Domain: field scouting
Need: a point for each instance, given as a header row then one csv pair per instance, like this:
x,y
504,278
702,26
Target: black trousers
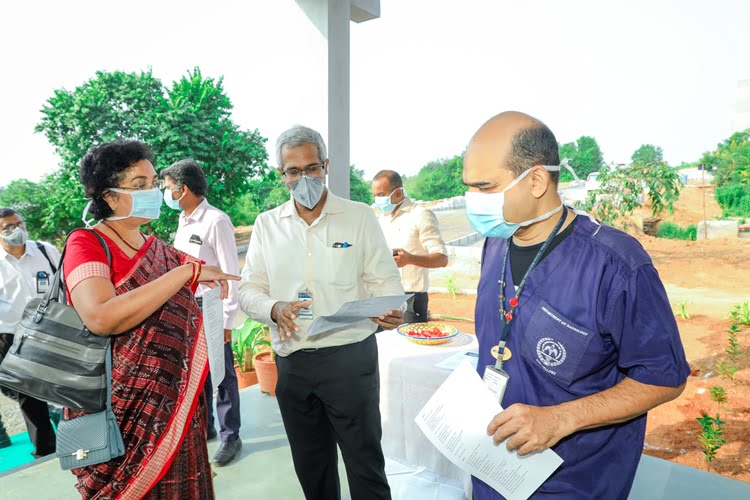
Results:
x,y
330,397
35,412
416,308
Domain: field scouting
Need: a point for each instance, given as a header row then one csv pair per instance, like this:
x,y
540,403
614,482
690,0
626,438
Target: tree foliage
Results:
x,y
647,154
622,189
585,157
732,176
359,189
438,179
190,119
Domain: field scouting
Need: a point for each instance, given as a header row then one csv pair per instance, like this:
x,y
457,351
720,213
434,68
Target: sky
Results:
x,y
424,76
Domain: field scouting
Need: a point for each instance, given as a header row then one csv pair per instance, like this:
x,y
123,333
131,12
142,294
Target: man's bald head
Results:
x,y
517,142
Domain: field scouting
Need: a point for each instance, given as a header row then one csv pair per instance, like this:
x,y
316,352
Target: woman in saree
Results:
x,y
145,302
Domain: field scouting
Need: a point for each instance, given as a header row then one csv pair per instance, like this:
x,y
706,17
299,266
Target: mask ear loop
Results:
x,y
564,163
83,216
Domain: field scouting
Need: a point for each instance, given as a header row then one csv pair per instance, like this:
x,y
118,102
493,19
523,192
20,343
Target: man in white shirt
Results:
x,y
207,233
26,269
306,258
413,234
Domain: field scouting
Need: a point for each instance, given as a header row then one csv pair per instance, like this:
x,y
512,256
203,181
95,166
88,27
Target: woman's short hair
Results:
x,y
103,167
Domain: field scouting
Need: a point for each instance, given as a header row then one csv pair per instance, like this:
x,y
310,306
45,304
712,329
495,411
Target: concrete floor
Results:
x,y
263,470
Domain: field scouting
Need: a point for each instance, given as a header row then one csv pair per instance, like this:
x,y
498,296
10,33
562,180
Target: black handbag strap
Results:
x,y
43,249
56,292
108,366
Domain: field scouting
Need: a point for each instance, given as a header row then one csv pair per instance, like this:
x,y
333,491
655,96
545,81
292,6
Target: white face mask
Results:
x,y
16,238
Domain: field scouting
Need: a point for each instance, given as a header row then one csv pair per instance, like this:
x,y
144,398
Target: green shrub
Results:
x,y
674,232
734,199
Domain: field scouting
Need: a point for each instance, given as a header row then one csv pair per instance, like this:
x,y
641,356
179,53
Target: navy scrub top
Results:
x,y
593,312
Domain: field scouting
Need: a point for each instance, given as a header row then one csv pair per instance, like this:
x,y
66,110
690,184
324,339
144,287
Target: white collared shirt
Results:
x,y
286,257
18,281
208,234
416,230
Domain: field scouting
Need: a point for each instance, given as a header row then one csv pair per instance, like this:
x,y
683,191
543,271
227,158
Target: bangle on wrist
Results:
x,y
192,275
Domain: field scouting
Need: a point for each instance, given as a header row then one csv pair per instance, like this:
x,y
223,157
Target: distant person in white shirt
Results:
x,y
413,234
306,258
26,269
207,233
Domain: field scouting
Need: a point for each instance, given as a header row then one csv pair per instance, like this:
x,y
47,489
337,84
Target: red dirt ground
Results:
x,y
713,275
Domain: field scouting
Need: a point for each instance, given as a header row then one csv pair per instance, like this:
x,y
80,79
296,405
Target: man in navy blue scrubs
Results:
x,y
590,342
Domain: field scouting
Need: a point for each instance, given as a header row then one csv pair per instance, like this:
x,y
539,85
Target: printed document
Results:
x,y
455,420
213,324
356,310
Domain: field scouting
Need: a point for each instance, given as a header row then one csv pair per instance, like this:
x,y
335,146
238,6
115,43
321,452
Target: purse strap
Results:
x,y
56,293
108,367
56,290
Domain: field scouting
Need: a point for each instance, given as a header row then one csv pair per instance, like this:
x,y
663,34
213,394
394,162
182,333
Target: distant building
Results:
x,y
741,115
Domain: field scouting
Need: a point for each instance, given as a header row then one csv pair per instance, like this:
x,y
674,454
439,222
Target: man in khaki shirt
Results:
x,y
414,236
306,258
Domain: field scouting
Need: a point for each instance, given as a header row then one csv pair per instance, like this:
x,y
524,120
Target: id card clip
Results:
x,y
496,380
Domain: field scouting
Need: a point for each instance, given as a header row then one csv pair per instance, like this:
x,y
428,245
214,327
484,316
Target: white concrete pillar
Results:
x,y
339,14
332,19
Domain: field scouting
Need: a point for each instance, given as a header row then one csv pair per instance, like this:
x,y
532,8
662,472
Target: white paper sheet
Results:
x,y
213,324
455,420
356,310
454,361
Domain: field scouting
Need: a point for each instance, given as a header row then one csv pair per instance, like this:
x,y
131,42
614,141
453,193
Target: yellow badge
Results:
x,y
506,354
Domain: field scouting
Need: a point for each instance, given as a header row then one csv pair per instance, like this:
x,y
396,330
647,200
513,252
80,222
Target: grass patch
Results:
x,y
674,232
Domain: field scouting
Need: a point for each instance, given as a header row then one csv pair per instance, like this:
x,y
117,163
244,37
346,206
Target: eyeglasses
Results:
x,y
296,173
146,185
11,227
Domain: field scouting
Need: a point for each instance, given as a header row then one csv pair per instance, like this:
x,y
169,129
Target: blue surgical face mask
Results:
x,y
485,211
308,191
146,203
384,202
171,202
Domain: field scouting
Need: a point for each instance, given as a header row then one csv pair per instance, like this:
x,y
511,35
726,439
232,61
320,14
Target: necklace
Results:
x,y
123,239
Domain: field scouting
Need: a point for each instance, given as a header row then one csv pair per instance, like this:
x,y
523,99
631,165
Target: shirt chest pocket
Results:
x,y
554,344
340,267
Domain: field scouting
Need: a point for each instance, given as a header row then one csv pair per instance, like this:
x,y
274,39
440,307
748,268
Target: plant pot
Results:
x,y
246,378
265,367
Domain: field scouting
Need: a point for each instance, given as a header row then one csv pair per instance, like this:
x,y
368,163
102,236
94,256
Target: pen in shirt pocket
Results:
x,y
342,245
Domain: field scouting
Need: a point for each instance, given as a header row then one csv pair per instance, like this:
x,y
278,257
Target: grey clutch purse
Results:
x,y
91,439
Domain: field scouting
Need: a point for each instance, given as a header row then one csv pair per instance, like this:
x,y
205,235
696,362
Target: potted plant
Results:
x,y
265,367
247,341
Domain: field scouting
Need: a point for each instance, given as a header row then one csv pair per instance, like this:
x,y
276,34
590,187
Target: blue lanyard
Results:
x,y
507,317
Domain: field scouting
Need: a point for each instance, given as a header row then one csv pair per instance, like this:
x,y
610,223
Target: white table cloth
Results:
x,y
408,378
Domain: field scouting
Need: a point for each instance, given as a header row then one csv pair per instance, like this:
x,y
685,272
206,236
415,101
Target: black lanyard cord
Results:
x,y
507,317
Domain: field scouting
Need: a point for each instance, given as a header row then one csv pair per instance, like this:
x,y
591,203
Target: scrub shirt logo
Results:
x,y
550,352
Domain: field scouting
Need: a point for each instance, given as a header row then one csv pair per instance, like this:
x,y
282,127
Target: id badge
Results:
x,y
305,312
42,282
496,381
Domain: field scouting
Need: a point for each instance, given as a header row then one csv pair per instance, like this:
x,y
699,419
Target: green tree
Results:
x,y
622,188
192,119
648,154
585,157
27,198
359,190
439,179
732,176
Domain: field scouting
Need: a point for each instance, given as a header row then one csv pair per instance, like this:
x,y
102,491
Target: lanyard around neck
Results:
x,y
507,317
